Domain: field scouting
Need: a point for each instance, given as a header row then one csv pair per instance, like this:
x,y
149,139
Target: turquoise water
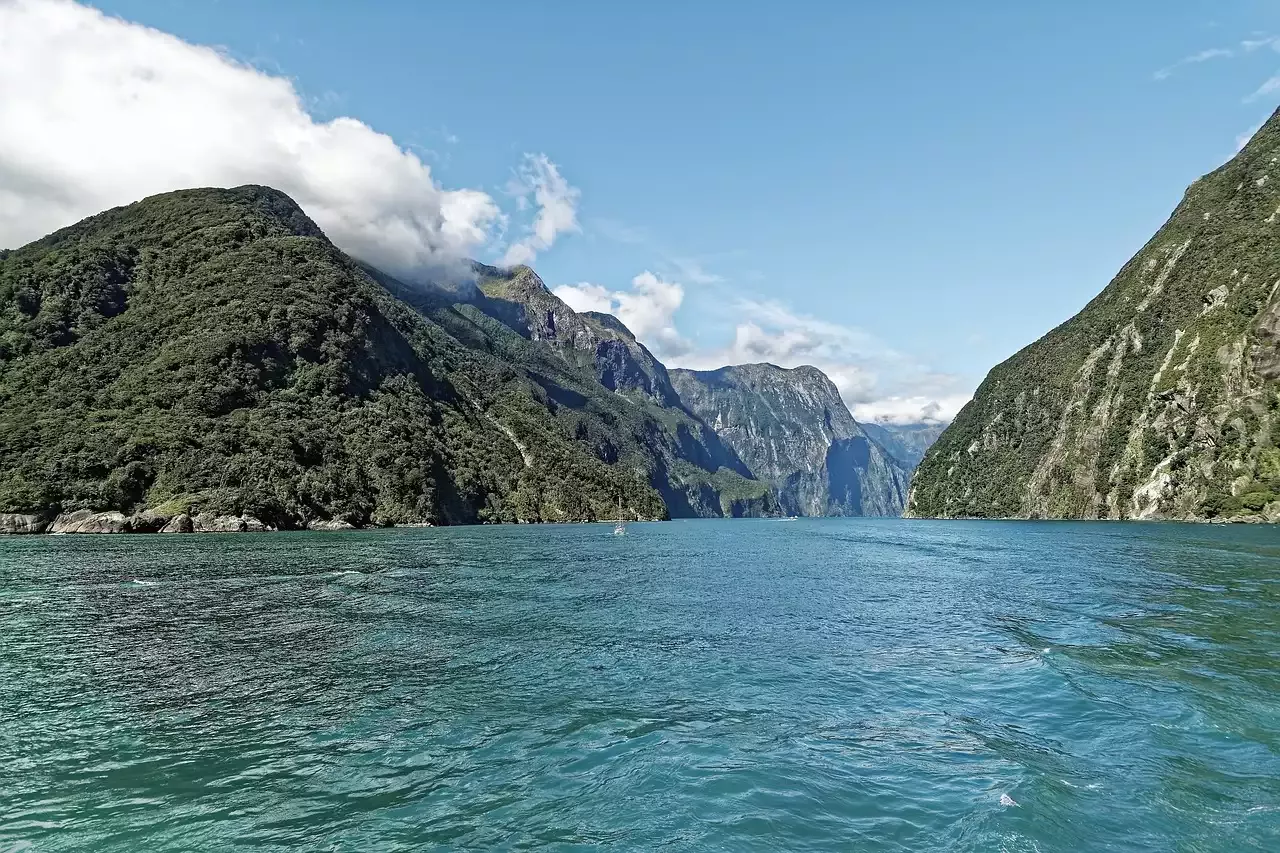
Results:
x,y
742,685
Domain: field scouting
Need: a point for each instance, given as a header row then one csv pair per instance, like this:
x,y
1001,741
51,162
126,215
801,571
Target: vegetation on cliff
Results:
x,y
1159,399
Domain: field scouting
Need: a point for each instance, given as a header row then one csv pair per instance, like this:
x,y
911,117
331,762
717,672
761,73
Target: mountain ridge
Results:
x,y
207,359
210,351
209,354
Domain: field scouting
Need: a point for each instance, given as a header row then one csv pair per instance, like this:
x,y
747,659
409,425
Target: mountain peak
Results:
x,y
609,322
263,211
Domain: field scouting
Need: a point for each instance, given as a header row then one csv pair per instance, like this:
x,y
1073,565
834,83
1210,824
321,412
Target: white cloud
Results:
x,y
1246,46
97,112
1243,139
691,270
1194,59
910,410
648,309
875,382
557,204
587,297
1250,45
1272,84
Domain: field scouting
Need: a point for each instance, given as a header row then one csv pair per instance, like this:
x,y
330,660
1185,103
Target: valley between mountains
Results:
x,y
207,360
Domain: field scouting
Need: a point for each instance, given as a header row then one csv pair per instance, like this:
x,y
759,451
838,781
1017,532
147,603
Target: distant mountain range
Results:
x,y
1161,398
208,360
792,430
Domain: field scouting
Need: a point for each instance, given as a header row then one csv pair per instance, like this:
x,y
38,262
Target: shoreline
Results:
x,y
88,522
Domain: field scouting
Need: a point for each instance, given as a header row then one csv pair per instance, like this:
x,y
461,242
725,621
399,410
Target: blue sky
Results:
x,y
906,192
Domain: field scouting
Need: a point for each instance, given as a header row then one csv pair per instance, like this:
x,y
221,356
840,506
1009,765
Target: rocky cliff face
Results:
x,y
791,429
905,442
520,299
1159,399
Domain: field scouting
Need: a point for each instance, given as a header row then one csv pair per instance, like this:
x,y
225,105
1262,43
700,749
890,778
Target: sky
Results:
x,y
902,194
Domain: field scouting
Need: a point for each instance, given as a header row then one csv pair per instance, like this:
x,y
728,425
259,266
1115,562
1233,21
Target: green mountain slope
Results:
x,y
791,429
1159,399
601,384
210,351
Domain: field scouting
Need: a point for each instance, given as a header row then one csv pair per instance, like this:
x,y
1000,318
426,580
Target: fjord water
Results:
x,y
713,685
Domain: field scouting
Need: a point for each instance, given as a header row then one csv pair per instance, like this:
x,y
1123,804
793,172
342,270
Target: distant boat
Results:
x,y
790,518
620,526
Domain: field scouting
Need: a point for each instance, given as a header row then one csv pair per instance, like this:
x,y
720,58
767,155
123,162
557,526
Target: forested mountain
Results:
x,y
210,354
1159,399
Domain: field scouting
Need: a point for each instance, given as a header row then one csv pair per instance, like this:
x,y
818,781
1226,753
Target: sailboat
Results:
x,y
620,526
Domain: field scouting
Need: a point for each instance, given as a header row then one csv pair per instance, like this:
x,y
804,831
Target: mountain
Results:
x,y
208,359
906,442
791,429
603,385
1159,399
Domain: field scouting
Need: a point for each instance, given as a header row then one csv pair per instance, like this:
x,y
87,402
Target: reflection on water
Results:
x,y
748,685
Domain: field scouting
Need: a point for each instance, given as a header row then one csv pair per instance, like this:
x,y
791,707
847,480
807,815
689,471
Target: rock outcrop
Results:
x,y
518,298
12,523
208,523
87,521
180,523
330,524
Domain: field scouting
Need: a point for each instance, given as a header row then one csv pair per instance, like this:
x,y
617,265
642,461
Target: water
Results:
x,y
744,685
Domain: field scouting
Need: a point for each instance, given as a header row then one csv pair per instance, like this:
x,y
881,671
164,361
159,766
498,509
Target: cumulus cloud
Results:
x,y
648,309
557,204
911,410
875,382
97,112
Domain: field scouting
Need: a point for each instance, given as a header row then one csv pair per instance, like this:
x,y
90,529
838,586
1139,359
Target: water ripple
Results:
x,y
826,684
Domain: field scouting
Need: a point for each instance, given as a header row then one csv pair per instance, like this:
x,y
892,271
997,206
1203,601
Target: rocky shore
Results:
x,y
87,521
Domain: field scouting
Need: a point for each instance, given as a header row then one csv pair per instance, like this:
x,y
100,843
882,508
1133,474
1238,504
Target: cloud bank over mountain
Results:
x,y
97,112
875,382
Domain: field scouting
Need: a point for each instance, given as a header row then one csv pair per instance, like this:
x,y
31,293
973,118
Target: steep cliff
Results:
x,y
1159,399
791,429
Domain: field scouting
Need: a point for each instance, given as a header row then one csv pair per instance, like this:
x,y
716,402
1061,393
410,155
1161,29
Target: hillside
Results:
x,y
209,353
792,430
603,386
1159,399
